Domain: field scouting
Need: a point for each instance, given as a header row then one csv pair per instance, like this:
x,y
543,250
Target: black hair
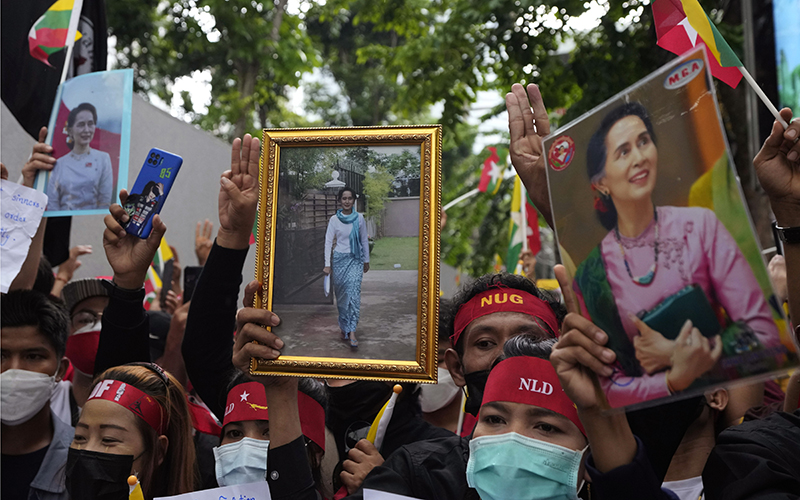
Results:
x,y
44,276
341,192
596,153
485,282
444,306
84,106
148,188
73,114
32,308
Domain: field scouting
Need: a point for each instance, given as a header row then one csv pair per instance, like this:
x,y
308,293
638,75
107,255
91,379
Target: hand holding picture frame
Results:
x,y
360,205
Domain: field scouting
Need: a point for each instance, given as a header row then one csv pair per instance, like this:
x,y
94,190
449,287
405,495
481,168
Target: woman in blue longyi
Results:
x,y
350,261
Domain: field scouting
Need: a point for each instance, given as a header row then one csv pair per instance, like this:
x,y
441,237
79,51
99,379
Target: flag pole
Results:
x,y
468,194
74,18
523,206
760,93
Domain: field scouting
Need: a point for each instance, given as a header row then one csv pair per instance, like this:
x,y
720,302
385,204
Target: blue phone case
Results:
x,y
150,190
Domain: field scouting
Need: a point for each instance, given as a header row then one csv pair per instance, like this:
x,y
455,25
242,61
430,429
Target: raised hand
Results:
x,y
41,159
128,255
253,340
203,241
528,123
580,354
693,357
238,194
777,165
653,350
67,268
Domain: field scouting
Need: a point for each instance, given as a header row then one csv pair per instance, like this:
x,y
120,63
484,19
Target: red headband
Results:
x,y
248,401
531,381
140,403
501,298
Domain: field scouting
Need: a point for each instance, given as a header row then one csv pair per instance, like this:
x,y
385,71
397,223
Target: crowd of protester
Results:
x,y
96,389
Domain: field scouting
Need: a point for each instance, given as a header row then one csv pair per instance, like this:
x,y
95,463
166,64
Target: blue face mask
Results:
x,y
241,462
514,466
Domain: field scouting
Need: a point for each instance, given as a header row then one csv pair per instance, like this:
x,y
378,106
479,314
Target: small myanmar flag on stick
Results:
x,y
682,22
491,174
48,34
516,234
377,431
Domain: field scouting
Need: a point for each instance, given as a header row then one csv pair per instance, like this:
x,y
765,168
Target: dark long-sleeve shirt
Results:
x,y
124,335
436,469
757,460
208,340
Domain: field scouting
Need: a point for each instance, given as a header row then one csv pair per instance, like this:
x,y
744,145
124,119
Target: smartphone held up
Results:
x,y
150,190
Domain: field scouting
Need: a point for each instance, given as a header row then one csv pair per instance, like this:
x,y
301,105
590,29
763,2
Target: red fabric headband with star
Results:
x,y
248,401
138,402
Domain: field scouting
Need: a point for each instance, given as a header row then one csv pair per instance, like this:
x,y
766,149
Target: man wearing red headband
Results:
x,y
483,316
529,443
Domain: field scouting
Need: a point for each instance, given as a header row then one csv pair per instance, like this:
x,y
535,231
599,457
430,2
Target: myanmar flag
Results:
x,y
151,284
49,33
492,173
163,254
679,24
514,232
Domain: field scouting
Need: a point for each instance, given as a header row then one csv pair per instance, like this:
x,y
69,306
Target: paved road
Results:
x,y
387,328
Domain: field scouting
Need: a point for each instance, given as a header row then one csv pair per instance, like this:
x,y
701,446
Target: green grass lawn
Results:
x,y
391,251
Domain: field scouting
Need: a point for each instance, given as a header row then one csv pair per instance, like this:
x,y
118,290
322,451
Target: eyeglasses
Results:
x,y
84,318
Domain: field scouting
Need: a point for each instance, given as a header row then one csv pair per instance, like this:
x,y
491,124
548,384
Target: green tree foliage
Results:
x,y
253,49
377,185
391,62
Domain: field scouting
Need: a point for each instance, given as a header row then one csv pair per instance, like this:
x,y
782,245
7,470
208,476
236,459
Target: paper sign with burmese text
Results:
x,y
22,210
251,491
657,236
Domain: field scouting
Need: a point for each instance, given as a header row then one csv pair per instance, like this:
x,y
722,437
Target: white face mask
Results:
x,y
22,394
241,462
436,397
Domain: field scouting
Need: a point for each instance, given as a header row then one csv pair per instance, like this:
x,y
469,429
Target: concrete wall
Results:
x,y
193,197
401,217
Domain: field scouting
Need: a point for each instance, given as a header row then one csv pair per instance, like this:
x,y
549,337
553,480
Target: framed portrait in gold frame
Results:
x,y
348,251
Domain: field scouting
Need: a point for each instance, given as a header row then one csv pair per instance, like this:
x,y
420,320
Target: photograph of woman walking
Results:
x,y
348,260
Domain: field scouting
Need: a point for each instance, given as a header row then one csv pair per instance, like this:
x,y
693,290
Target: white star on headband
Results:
x,y
244,396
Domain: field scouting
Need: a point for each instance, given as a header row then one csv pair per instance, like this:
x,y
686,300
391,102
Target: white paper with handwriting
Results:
x,y
251,491
382,495
22,210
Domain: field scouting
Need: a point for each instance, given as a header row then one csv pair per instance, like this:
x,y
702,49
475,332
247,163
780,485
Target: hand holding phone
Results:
x,y
150,191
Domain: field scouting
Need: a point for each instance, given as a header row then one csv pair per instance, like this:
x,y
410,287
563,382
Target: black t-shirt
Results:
x,y
18,472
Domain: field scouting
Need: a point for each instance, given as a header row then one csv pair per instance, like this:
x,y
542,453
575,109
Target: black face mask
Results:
x,y
93,475
476,383
361,400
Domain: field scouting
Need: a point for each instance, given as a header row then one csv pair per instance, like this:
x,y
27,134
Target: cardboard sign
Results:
x,y
89,129
647,205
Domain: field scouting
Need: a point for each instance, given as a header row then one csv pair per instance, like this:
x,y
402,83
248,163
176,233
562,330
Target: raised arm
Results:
x,y
208,342
618,465
288,471
125,334
528,123
40,160
777,165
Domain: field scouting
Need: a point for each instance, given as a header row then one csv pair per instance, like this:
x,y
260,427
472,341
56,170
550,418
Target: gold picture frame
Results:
x,y
278,222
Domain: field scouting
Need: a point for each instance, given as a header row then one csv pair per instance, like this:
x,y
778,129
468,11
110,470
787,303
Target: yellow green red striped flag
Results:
x,y
708,32
49,33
